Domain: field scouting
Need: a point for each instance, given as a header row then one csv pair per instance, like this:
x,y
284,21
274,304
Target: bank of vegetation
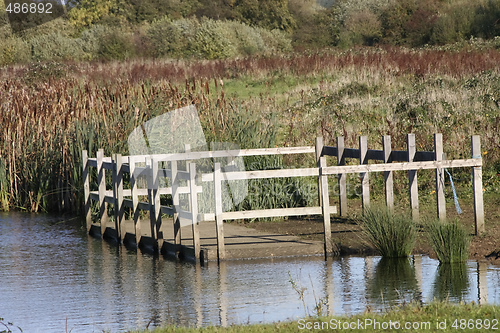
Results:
x,y
220,29
435,317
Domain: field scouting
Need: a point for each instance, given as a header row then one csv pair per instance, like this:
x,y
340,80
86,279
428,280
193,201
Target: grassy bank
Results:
x,y
49,112
435,317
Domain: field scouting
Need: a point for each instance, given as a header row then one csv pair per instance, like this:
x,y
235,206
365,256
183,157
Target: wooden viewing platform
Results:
x,y
206,237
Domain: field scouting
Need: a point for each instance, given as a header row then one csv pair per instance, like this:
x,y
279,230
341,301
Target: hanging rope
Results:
x,y
455,197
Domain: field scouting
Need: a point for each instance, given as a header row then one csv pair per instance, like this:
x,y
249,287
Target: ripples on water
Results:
x,y
54,277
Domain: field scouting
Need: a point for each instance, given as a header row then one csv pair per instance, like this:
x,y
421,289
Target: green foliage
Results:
x,y
88,12
269,14
13,50
454,26
55,46
212,39
172,38
116,45
393,235
486,20
450,241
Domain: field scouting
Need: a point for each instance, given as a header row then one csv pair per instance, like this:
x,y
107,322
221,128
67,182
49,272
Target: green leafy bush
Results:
x,y
214,40
172,38
13,50
55,46
116,45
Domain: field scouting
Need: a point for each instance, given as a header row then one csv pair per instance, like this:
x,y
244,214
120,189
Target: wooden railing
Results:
x,y
409,160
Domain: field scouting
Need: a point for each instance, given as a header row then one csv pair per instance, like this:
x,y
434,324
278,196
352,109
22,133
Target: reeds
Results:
x,y
450,241
50,112
393,235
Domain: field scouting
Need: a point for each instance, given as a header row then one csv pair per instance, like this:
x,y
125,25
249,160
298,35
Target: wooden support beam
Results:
x,y
412,177
135,200
118,196
155,205
342,178
388,176
326,210
101,181
176,203
194,209
86,190
319,152
477,185
364,176
440,197
219,221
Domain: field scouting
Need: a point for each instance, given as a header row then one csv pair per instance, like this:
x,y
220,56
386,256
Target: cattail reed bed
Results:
x,y
49,112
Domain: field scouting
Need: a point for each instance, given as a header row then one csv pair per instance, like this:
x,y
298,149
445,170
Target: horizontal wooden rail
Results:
x,y
378,155
276,212
335,170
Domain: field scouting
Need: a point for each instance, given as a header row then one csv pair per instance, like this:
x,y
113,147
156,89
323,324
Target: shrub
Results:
x,y
393,235
116,45
172,38
363,27
276,40
13,50
214,40
450,241
454,25
54,46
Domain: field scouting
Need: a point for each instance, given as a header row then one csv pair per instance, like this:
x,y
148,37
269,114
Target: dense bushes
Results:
x,y
412,22
183,38
121,29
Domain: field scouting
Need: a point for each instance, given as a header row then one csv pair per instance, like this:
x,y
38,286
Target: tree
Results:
x,y
84,13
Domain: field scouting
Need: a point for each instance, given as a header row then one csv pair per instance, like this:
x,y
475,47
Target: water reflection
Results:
x,y
52,272
452,282
394,279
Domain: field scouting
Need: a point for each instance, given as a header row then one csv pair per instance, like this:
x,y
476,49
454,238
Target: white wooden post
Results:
x,y
388,175
477,185
194,209
86,190
412,177
440,197
135,200
342,178
101,181
118,196
364,176
221,252
326,208
154,207
319,151
175,202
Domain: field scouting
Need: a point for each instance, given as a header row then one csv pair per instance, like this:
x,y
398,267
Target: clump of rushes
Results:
x,y
393,235
450,241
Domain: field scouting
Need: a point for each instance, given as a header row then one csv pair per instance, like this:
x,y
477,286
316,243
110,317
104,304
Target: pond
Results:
x,y
55,278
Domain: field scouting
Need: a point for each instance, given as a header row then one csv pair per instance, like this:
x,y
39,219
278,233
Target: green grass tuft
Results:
x,y
450,241
393,235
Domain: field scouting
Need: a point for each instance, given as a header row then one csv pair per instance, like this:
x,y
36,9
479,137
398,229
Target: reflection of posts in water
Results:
x,y
198,295
417,265
482,282
329,286
394,280
451,282
223,293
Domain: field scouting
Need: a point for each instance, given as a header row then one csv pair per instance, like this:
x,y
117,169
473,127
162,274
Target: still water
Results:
x,y
54,278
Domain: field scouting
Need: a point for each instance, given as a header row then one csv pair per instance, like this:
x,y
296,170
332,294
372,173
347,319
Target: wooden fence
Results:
x,y
409,160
